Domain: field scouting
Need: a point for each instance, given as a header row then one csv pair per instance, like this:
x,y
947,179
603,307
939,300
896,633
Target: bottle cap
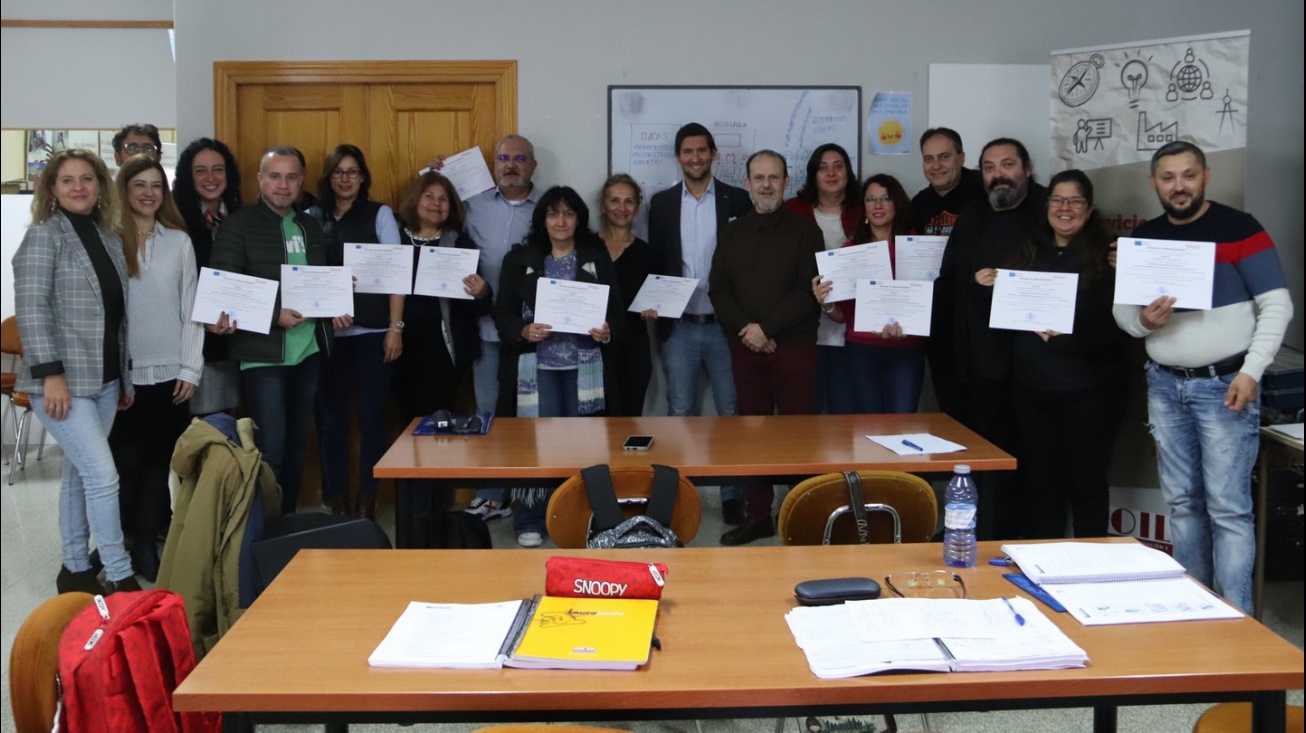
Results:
x,y
961,468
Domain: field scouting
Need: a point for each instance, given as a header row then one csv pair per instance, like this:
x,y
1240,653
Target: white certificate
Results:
x,y
905,302
918,258
1147,269
569,306
440,271
468,173
1025,300
317,291
381,268
248,301
845,266
665,294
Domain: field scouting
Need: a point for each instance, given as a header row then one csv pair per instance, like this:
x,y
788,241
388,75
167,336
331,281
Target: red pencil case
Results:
x,y
575,577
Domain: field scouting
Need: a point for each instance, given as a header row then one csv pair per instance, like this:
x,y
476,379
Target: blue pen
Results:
x,y
1020,620
910,444
1005,562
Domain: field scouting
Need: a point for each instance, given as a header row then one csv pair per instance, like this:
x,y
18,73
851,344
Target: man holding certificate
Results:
x,y
1203,371
279,370
760,285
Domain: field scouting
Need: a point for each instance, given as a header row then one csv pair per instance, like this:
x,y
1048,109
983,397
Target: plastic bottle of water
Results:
x,y
959,502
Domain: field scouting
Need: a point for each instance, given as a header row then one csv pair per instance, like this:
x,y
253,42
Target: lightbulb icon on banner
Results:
x,y
1133,77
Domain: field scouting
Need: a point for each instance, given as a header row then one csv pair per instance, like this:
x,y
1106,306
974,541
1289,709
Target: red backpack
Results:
x,y
119,661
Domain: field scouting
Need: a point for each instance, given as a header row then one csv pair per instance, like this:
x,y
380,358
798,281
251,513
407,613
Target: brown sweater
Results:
x,y
762,273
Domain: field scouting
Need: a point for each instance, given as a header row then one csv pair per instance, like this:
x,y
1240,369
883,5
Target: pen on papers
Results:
x,y
910,444
1020,620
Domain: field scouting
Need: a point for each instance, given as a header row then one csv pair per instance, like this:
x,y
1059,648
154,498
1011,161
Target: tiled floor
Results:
x,y
29,540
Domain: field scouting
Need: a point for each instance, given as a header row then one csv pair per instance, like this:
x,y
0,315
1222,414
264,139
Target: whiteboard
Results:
x,y
983,102
642,125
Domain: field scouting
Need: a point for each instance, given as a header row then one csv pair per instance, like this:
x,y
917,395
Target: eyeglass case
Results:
x,y
831,591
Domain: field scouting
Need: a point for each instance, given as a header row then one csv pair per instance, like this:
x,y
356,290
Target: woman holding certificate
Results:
x,y
830,197
633,259
1069,387
206,190
362,361
886,368
544,370
441,338
167,353
70,286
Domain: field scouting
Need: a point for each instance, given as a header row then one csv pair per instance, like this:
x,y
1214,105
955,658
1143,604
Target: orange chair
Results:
x,y
569,512
900,508
34,662
12,346
1236,717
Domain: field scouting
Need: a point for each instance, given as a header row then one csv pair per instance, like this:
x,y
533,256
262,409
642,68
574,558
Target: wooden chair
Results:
x,y
1236,717
12,346
569,513
900,508
34,662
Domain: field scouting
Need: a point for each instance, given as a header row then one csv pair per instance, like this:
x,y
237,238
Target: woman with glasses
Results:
x,y
206,190
366,346
886,368
70,285
166,348
1069,387
830,198
633,259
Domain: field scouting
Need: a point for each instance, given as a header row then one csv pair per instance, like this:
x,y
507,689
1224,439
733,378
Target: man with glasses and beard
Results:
x,y
761,289
1203,369
983,239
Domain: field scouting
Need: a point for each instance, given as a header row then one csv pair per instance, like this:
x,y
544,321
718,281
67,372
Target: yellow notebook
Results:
x,y
586,633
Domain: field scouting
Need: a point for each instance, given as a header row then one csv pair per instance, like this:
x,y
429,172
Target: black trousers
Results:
x,y
142,441
987,411
1064,450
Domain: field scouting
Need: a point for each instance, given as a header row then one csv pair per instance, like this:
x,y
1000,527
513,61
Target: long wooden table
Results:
x,y
300,653
709,450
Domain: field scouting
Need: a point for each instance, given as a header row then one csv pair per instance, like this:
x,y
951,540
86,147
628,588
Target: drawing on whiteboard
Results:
x,y
1133,77
1227,112
1152,137
1081,80
1190,78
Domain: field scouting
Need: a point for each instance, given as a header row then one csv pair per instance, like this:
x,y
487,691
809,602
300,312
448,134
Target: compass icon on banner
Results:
x,y
1080,81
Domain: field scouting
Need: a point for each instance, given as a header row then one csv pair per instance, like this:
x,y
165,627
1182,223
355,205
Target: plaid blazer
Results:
x,y
60,308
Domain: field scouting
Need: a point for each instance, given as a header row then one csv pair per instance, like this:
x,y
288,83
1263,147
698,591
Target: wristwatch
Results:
x,y
397,324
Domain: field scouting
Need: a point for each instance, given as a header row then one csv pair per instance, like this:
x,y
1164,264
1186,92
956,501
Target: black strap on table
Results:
x,y
603,497
857,503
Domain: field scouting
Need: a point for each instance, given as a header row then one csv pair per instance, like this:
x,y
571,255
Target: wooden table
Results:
x,y
300,653
709,450
1274,446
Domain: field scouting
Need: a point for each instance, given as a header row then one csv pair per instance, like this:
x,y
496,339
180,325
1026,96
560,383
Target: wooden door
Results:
x,y
400,113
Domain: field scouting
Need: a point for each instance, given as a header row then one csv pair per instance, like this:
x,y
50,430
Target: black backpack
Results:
x,y
465,531
611,529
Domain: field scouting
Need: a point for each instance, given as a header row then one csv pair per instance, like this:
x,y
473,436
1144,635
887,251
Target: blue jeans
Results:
x,y
1205,454
357,368
691,348
88,494
280,401
885,379
558,398
485,378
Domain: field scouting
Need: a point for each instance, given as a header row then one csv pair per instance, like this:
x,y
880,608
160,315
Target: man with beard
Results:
x,y
1202,373
983,239
761,287
684,222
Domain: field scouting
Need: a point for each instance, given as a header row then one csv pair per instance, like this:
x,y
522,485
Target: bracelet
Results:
x,y
827,308
392,329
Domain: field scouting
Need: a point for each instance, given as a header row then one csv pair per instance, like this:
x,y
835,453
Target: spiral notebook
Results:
x,y
1051,563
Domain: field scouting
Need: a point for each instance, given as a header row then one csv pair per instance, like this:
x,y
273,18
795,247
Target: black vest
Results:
x,y
357,226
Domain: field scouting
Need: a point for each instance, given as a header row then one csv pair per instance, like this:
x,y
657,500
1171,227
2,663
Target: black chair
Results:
x,y
288,534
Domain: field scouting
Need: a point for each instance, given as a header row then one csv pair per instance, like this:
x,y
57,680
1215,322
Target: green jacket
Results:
x,y
249,242
201,559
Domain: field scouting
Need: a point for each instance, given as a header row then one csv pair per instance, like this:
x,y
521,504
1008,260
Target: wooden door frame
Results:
x,y
229,76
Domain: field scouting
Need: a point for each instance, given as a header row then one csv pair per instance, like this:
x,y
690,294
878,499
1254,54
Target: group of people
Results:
x,y
103,303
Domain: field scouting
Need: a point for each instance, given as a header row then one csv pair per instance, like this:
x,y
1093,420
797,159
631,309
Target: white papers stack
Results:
x,y
931,635
449,635
916,444
1117,583
1292,430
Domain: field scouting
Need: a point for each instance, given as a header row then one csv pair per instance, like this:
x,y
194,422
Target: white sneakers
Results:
x,y
488,510
530,539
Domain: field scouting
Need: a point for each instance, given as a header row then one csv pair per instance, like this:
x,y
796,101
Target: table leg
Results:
x,y
236,723
1269,713
403,514
1104,719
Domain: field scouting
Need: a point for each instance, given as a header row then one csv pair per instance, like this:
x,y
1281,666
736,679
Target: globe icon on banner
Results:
x,y
1188,78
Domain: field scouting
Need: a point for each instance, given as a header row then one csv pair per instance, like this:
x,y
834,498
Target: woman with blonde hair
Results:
x,y
167,350
70,281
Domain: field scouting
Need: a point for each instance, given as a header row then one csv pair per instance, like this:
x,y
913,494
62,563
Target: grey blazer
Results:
x,y
60,309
